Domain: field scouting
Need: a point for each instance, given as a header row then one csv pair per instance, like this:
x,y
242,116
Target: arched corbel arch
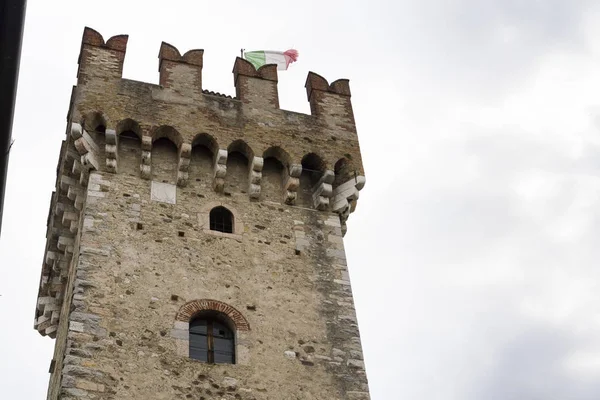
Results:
x,y
204,160
89,140
242,147
104,139
168,132
94,121
206,140
346,187
288,174
344,170
128,127
316,181
127,146
279,154
166,162
314,163
244,169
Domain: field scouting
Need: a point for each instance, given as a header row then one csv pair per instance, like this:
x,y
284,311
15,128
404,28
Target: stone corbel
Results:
x,y
73,187
72,154
184,164
146,165
89,161
85,145
66,244
75,194
49,312
61,269
56,286
220,171
112,144
66,181
255,177
76,131
345,197
291,182
322,191
63,226
77,169
70,218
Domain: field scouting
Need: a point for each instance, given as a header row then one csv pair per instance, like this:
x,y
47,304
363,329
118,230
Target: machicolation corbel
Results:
x,y
291,183
255,177
322,191
220,171
146,157
85,145
185,152
111,151
345,197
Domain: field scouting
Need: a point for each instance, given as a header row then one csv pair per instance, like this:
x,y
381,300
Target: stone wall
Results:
x,y
130,254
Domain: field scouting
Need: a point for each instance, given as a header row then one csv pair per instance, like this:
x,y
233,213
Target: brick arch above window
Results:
x,y
190,309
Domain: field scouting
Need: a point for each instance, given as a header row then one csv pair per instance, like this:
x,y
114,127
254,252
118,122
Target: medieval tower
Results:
x,y
194,245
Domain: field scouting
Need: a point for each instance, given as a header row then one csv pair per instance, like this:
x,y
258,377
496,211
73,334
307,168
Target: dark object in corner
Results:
x,y
12,17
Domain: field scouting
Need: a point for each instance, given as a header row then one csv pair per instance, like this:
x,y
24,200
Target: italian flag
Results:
x,y
283,59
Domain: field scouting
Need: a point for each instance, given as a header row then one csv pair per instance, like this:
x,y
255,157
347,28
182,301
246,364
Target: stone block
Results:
x,y
352,363
76,326
183,326
180,334
337,253
163,192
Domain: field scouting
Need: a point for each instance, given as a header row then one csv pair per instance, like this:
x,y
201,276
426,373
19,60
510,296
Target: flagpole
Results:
x,y
241,53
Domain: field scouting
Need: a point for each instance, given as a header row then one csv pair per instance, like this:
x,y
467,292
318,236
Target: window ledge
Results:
x,y
223,234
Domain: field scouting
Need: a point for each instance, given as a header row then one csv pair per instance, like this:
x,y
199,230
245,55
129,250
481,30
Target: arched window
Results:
x,y
221,219
211,340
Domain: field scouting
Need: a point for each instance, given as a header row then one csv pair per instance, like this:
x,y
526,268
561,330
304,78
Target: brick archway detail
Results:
x,y
191,308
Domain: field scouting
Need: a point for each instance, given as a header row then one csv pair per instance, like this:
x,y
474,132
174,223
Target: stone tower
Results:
x,y
194,244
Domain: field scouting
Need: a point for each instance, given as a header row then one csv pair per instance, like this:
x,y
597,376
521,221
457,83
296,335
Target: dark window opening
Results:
x,y
129,135
221,219
211,341
101,129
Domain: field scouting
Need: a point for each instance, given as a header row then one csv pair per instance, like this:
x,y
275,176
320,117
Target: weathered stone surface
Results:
x,y
132,256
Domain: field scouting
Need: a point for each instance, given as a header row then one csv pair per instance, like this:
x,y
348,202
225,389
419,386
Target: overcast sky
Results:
x,y
473,252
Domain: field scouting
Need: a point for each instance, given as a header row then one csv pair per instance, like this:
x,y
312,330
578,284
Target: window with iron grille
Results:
x,y
221,219
211,341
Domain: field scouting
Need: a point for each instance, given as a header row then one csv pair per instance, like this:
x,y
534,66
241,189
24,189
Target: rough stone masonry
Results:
x,y
131,256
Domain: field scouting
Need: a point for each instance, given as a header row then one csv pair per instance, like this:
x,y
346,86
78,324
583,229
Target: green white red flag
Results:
x,y
283,59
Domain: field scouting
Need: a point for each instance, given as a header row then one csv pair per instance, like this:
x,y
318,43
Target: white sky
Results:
x,y
473,250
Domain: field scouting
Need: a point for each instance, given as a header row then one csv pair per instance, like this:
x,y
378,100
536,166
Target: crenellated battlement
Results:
x,y
183,74
99,58
256,87
329,101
